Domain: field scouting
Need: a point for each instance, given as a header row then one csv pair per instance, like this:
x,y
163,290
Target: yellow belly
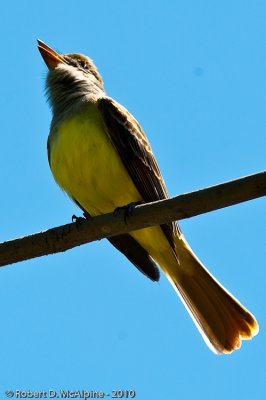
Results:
x,y
87,167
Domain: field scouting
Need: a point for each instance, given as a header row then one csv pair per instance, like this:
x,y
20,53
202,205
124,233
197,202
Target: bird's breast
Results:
x,y
86,165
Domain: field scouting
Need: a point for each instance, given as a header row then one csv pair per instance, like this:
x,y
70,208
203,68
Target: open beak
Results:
x,y
50,56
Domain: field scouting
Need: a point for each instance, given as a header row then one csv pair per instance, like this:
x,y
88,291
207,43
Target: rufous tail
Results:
x,y
221,319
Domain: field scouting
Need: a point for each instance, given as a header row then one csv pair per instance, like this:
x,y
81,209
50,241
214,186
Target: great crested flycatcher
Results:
x,y
101,158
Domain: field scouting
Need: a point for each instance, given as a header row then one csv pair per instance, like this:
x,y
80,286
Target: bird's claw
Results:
x,y
128,210
76,219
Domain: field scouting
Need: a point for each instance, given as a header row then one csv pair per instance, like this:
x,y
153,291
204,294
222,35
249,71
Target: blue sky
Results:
x,y
194,75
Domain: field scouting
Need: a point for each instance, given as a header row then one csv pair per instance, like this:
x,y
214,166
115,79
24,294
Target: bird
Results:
x,y
100,156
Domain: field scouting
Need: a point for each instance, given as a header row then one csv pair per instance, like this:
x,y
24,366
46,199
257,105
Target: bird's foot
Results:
x,y
76,219
128,210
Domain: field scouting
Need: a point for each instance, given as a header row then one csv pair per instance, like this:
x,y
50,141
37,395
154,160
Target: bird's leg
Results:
x,y
78,220
87,215
128,210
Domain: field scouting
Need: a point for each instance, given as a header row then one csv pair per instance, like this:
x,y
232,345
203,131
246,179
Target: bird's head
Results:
x,y
70,76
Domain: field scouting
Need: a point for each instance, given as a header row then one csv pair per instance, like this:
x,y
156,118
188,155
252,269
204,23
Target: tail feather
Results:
x,y
221,319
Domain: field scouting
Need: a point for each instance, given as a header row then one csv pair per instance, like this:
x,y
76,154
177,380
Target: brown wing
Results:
x,y
133,251
136,154
137,255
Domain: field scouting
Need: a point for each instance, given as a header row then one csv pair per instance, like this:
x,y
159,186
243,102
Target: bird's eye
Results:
x,y
84,64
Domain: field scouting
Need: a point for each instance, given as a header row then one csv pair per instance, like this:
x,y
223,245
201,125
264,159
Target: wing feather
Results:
x,y
137,156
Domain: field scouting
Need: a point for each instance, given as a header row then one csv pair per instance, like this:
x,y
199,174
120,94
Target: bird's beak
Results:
x,y
50,56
